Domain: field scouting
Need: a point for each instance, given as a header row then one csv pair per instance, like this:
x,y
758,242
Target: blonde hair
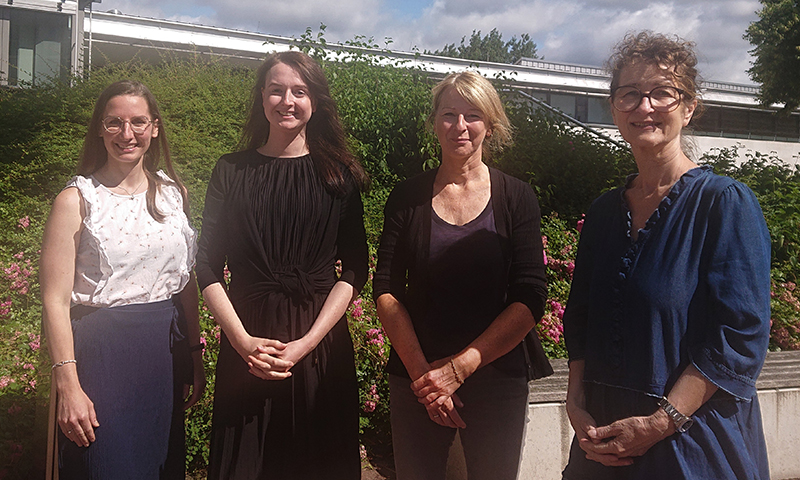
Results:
x,y
479,93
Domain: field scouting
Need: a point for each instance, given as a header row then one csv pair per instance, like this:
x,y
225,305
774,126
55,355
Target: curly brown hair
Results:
x,y
669,53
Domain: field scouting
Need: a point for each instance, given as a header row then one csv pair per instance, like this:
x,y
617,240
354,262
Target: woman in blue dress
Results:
x,y
667,323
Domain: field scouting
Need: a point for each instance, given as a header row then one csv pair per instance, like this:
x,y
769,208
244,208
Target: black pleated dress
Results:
x,y
281,231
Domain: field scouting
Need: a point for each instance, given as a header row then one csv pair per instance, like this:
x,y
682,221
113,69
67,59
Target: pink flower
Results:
x,y
24,222
579,226
357,311
5,380
5,308
544,257
204,343
19,255
369,406
375,336
362,450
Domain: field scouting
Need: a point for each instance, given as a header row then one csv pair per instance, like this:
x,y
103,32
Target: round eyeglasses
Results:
x,y
662,99
114,125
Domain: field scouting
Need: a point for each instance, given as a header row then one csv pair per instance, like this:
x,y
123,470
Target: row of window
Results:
x,y
39,48
716,120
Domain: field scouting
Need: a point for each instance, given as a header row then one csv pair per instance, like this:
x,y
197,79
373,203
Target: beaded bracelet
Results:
x,y
62,363
455,372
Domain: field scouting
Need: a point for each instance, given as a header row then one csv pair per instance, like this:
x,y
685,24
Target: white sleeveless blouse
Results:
x,y
125,256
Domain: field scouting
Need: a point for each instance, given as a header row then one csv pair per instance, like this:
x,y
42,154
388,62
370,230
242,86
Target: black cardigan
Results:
x,y
405,242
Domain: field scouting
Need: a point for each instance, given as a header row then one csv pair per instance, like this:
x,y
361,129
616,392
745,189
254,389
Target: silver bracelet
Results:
x,y
62,363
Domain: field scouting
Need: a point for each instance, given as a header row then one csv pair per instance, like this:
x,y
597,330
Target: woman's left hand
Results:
x,y
198,380
616,444
294,351
437,384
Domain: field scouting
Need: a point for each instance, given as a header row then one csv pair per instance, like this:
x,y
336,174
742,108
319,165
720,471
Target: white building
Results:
x,y
40,39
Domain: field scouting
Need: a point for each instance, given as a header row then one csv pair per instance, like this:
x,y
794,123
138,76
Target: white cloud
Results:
x,y
571,31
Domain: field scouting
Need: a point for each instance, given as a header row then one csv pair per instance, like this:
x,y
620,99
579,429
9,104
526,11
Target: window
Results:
x,y
39,47
563,102
599,111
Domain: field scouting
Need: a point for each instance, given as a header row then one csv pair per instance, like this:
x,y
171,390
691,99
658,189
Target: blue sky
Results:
x,y
410,8
570,31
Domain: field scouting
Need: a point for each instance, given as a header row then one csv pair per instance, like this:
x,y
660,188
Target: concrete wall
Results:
x,y
548,433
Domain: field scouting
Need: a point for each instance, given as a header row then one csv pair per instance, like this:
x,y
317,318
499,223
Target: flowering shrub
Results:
x,y
560,246
198,418
785,321
41,131
371,347
22,397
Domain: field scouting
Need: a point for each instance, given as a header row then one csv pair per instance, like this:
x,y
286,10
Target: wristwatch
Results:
x,y
681,421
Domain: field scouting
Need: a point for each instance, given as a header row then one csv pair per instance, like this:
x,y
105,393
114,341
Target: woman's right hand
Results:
x,y
261,356
444,404
582,421
76,415
444,411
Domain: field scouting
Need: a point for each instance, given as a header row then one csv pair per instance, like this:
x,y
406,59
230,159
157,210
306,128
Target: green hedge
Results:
x,y
383,108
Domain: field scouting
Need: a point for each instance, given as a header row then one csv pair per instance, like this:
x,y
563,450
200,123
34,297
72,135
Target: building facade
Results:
x,y
45,39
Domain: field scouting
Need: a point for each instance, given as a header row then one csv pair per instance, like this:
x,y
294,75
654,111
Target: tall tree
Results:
x,y
490,48
776,38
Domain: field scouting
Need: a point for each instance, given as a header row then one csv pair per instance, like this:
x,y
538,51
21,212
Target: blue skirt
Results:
x,y
128,366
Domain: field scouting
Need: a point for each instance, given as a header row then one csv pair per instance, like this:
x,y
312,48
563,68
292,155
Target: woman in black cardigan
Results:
x,y
459,285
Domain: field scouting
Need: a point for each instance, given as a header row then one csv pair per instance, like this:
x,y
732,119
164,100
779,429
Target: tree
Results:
x,y
776,37
490,48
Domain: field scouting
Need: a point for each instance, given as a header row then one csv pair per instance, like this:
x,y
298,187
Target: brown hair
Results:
x,y
94,154
478,92
669,53
324,132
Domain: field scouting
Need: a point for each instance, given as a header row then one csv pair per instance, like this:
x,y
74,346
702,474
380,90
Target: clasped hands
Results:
x,y
616,444
270,359
436,391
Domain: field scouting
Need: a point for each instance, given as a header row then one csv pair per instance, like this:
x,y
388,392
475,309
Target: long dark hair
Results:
x,y
324,132
94,154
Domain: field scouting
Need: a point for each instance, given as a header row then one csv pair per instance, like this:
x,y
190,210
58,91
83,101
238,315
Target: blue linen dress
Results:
x,y
693,288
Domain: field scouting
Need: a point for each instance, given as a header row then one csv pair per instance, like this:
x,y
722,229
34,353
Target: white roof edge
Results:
x,y
538,74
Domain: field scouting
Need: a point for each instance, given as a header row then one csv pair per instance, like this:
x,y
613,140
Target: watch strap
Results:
x,y
681,421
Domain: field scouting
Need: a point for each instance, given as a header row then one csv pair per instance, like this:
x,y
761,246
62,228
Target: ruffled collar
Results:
x,y
666,202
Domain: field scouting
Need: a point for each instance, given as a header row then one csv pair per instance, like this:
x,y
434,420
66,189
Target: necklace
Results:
x,y
131,194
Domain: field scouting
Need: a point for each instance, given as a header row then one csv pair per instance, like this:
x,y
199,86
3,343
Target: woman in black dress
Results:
x,y
280,214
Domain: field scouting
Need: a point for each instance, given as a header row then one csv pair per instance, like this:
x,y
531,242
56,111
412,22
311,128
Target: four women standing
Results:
x,y
460,284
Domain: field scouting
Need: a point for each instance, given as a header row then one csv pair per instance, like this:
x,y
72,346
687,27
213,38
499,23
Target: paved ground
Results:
x,y
380,466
